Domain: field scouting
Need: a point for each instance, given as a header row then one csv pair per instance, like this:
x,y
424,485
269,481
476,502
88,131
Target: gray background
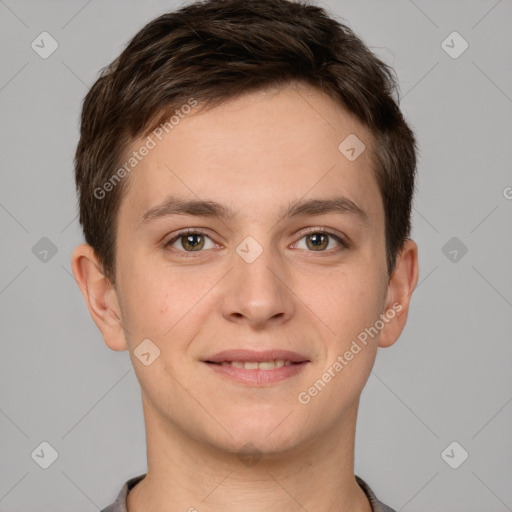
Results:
x,y
447,379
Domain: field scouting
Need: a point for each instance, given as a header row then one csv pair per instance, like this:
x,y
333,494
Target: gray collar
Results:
x,y
120,504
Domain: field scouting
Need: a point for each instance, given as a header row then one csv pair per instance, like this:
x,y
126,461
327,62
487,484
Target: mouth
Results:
x,y
257,368
256,365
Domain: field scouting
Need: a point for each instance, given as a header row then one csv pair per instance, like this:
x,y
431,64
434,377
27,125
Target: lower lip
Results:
x,y
258,377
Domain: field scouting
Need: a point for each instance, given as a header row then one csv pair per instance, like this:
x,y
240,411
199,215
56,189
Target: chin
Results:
x,y
261,436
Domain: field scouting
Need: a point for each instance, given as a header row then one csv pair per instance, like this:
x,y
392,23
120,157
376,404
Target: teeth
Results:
x,y
255,365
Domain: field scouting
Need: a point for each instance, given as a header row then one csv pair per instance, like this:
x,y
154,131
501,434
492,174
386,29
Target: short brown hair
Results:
x,y
217,50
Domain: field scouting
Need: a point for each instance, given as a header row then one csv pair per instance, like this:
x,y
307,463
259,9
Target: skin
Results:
x,y
254,154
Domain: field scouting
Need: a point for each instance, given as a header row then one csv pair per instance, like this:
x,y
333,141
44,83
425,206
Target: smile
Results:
x,y
257,365
257,373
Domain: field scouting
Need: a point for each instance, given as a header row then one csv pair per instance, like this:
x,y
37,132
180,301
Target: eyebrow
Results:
x,y
204,208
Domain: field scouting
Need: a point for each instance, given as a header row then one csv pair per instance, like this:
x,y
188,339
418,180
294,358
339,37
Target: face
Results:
x,y
272,270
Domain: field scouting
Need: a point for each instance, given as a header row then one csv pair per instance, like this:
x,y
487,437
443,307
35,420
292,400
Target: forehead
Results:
x,y
257,153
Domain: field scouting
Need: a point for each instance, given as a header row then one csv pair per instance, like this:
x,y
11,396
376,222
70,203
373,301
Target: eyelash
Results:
x,y
190,231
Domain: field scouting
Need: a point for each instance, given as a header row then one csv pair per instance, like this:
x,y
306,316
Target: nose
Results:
x,y
258,292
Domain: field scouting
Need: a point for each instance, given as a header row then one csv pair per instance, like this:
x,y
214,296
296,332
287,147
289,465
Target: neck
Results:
x,y
187,475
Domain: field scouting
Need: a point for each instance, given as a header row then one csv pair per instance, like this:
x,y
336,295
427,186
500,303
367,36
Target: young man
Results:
x,y
245,180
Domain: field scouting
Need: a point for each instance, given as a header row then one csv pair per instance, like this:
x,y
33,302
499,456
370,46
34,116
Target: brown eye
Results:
x,y
320,241
193,242
190,242
317,241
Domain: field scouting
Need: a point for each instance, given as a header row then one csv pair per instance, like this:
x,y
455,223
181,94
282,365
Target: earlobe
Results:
x,y
400,288
100,296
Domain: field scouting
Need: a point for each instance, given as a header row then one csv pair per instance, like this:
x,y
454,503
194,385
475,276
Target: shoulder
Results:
x,y
119,504
377,506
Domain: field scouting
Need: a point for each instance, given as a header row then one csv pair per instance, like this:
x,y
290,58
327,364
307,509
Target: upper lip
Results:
x,y
253,355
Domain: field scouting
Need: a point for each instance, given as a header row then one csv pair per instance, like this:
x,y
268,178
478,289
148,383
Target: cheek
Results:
x,y
159,302
146,302
348,301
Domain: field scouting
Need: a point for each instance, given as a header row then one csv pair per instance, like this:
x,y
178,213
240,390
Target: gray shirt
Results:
x,y
120,504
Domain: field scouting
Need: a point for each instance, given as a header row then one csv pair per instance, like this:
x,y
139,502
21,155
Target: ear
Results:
x,y
100,296
401,284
